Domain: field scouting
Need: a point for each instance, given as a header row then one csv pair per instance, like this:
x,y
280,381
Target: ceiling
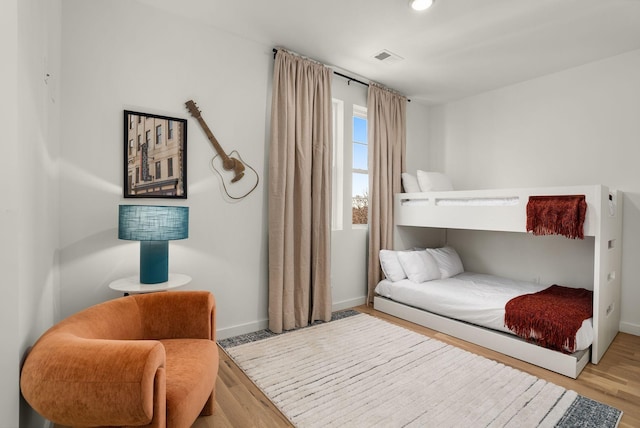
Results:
x,y
455,49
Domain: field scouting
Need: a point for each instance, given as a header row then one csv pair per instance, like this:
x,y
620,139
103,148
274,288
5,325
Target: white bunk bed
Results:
x,y
505,210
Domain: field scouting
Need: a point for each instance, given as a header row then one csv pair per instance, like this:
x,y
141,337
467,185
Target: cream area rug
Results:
x,y
361,371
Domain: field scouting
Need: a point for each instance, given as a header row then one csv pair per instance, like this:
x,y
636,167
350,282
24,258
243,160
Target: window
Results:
x,y
147,136
170,130
130,147
158,134
158,171
170,167
137,174
350,175
360,169
139,142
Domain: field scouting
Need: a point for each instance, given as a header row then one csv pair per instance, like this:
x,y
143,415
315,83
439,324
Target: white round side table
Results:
x,y
132,284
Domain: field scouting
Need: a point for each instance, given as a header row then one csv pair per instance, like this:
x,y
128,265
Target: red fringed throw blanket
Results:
x,y
554,315
557,215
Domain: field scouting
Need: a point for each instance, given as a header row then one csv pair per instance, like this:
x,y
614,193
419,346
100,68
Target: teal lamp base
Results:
x,y
154,262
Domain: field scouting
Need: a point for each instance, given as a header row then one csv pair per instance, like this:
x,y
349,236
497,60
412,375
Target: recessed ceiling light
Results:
x,y
421,4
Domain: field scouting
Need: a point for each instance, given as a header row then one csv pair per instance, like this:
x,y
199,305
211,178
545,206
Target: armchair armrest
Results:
x,y
78,381
177,314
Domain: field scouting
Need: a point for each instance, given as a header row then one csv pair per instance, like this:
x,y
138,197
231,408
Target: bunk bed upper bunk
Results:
x,y
506,210
499,209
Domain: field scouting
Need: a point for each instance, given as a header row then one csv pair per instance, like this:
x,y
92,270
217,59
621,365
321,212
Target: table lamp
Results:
x,y
154,226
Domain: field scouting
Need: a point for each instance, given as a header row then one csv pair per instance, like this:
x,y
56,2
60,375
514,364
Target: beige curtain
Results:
x,y
386,117
299,193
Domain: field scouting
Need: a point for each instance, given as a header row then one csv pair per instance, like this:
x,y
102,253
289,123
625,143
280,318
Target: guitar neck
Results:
x,y
212,139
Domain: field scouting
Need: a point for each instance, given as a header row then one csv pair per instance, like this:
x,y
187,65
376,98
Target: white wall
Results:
x,y
418,147
29,214
123,55
579,126
9,216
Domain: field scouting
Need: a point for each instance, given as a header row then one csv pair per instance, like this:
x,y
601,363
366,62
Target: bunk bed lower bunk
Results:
x,y
506,211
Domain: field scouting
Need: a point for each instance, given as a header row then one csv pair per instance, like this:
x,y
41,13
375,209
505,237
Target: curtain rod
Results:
x,y
349,78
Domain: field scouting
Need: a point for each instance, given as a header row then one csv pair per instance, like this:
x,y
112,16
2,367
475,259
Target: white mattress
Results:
x,y
471,297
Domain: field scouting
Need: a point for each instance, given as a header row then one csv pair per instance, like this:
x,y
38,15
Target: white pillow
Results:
x,y
448,261
433,181
419,266
410,183
391,265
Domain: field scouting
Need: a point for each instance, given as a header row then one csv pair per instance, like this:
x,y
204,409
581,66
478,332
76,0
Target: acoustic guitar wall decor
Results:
x,y
238,178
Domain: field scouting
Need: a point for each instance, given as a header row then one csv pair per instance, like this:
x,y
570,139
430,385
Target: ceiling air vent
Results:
x,y
387,57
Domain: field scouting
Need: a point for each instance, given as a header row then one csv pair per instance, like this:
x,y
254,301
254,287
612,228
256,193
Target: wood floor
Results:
x,y
614,381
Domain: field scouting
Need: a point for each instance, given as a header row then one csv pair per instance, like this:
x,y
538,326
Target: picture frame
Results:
x,y
155,156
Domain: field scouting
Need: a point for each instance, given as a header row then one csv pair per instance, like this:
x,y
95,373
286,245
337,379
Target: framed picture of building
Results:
x,y
155,156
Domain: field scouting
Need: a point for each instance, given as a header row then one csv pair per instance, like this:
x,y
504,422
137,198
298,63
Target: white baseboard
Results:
x,y
627,327
346,304
225,333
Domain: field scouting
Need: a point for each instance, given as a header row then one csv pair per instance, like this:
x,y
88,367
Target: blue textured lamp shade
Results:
x,y
154,226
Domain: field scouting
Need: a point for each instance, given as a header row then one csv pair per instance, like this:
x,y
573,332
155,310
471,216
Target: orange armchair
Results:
x,y
141,360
